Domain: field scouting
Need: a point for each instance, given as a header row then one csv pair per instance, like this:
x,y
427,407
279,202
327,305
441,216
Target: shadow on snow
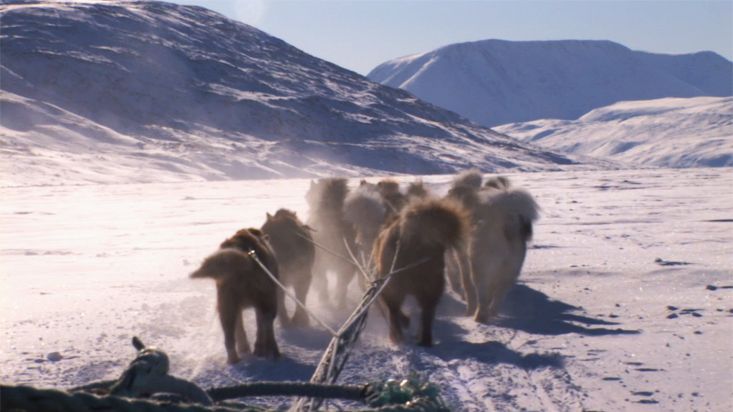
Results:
x,y
534,312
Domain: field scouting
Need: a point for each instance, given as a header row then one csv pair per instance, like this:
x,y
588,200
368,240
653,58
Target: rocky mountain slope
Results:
x,y
150,91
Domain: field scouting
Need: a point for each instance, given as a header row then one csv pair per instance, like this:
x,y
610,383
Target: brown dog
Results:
x,y
422,231
240,284
293,246
332,231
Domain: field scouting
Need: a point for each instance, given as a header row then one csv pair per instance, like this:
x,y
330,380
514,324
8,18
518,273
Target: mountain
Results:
x,y
671,132
150,91
493,82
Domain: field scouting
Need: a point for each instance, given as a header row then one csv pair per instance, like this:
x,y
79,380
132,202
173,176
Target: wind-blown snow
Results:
x,y
624,303
494,82
170,92
693,132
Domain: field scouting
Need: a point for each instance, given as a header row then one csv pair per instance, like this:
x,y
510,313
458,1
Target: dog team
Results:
x,y
475,236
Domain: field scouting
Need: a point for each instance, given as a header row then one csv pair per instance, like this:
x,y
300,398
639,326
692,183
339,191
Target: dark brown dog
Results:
x,y
332,231
422,231
293,245
240,284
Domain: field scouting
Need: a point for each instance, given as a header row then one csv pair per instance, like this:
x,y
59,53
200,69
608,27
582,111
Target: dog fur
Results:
x,y
465,191
241,284
326,199
365,209
498,246
471,178
422,230
416,191
292,243
498,182
393,198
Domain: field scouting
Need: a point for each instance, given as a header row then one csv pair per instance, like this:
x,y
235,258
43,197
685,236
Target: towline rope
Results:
x,y
274,278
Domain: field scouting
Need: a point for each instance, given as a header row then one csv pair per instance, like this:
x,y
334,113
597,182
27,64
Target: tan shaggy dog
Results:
x,y
293,246
423,230
393,198
240,284
498,245
464,190
333,232
365,209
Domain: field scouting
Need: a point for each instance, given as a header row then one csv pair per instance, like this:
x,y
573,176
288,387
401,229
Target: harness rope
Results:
x,y
274,278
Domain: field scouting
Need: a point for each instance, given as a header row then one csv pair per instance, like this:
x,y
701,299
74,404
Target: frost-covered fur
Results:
x,y
241,284
331,229
292,243
498,246
422,231
365,209
471,178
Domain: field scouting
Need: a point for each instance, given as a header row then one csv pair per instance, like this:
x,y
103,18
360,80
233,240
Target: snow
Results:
x,y
176,93
671,132
493,82
624,302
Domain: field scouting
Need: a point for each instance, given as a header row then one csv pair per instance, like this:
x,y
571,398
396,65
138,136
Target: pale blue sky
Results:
x,y
359,35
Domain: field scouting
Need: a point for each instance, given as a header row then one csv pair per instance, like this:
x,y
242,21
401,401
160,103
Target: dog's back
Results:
x,y
290,239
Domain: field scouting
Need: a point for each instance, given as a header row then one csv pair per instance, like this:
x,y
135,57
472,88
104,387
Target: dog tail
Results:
x,y
471,178
364,207
435,221
224,264
498,182
516,208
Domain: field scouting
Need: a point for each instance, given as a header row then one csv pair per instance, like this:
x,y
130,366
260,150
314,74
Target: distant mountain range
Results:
x,y
150,91
493,82
671,132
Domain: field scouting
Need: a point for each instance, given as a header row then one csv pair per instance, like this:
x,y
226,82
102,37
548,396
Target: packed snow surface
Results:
x,y
625,302
671,132
494,82
150,91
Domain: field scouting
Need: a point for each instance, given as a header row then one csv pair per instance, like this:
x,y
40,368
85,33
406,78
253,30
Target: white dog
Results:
x,y
503,219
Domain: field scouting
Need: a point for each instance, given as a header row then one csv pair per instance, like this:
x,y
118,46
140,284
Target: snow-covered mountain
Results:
x,y
671,132
494,82
150,91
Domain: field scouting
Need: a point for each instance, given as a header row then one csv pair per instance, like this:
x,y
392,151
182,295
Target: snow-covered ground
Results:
x,y
625,302
671,132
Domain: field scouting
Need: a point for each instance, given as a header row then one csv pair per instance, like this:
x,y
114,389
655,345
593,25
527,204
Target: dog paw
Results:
x,y
427,343
300,321
263,351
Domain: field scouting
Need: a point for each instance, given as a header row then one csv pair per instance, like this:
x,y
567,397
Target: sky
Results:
x,y
359,35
